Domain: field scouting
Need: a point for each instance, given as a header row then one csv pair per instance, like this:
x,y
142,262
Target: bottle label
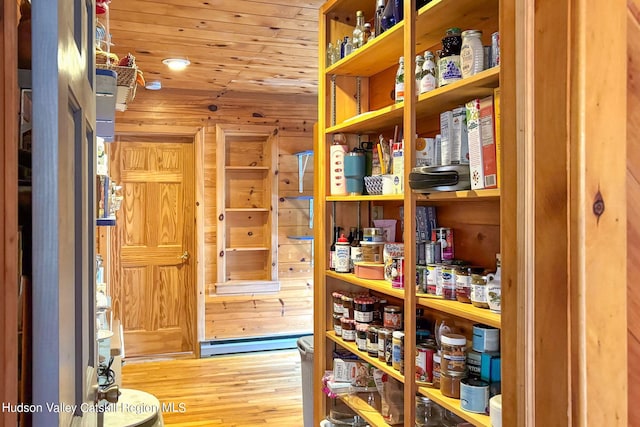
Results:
x,y
449,70
342,258
399,91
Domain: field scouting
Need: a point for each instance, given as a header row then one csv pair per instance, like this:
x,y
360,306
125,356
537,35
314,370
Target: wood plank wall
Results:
x,y
633,207
290,310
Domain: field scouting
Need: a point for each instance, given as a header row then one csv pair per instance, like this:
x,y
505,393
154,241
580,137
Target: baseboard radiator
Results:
x,y
244,345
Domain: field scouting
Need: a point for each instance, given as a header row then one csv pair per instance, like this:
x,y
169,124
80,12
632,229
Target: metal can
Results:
x,y
432,279
397,273
424,363
397,351
474,395
495,49
421,257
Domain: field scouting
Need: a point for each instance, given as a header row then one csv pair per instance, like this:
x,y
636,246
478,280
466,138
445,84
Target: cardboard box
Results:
x,y
487,137
476,168
496,118
460,142
446,139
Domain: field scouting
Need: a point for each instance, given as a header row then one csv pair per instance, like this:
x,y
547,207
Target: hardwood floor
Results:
x,y
253,389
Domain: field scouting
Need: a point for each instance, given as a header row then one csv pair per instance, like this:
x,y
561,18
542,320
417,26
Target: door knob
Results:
x,y
184,256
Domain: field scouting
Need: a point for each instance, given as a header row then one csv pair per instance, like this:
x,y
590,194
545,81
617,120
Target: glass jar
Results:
x,y
348,329
463,284
454,353
397,351
337,324
372,340
347,306
450,383
479,291
432,278
448,278
428,413
384,341
471,53
337,302
361,336
363,309
437,359
392,318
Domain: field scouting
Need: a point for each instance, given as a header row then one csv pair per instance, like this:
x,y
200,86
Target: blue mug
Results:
x,y
354,169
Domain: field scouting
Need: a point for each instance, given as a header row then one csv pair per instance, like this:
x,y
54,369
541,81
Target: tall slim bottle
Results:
x,y
358,32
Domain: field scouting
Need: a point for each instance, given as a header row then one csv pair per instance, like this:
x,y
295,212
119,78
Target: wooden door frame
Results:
x,y
568,119
198,135
9,210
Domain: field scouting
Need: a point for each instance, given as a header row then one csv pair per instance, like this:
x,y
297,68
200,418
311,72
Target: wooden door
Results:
x,y
154,279
63,160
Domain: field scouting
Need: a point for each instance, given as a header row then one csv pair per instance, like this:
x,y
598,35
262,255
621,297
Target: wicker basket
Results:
x,y
126,81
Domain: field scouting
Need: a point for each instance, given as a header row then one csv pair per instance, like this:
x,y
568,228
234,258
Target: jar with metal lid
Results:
x,y
454,352
372,340
361,336
347,306
397,351
337,324
437,360
479,291
450,383
463,284
428,413
363,309
337,302
348,329
392,317
378,308
471,53
448,278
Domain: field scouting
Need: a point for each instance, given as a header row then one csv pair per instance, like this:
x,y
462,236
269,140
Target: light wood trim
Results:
x,y
198,147
9,213
598,223
453,405
221,191
148,129
513,21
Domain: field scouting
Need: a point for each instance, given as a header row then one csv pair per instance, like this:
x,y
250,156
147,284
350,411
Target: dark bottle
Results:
x,y
377,22
332,249
451,43
352,234
356,249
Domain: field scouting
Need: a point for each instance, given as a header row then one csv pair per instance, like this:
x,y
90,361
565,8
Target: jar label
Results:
x,y
363,316
478,293
348,334
361,343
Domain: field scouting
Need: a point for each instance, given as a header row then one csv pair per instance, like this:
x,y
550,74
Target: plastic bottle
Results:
x,y
343,255
400,80
428,80
418,72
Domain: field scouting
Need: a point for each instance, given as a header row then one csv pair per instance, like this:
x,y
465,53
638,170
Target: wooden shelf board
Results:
x,y
351,346
246,168
455,94
247,249
467,195
463,310
439,15
362,408
105,222
299,197
479,420
372,121
365,198
376,56
300,237
247,210
381,286
247,287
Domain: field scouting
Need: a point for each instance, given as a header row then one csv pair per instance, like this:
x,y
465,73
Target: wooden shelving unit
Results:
x,y
371,70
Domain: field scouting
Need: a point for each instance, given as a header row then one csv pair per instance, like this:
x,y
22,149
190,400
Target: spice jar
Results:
x,y
454,356
450,383
397,351
348,329
361,336
436,370
372,340
392,317
363,309
337,324
463,284
479,290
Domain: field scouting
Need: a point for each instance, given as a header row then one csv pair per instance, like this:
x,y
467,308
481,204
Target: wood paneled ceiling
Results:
x,y
234,46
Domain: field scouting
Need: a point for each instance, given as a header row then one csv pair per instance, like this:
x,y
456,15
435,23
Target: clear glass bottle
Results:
x,y
330,54
399,91
348,46
418,72
339,51
428,80
358,31
367,33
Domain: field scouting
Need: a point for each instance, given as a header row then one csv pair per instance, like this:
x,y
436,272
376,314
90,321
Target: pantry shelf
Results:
x,y
467,195
371,122
351,346
362,408
381,286
365,198
105,222
459,309
478,420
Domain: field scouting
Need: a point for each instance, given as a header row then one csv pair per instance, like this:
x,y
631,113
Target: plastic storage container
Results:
x,y
305,347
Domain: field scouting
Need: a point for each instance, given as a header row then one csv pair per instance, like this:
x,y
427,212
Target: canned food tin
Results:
x,y
474,395
397,351
397,273
421,278
485,338
424,363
